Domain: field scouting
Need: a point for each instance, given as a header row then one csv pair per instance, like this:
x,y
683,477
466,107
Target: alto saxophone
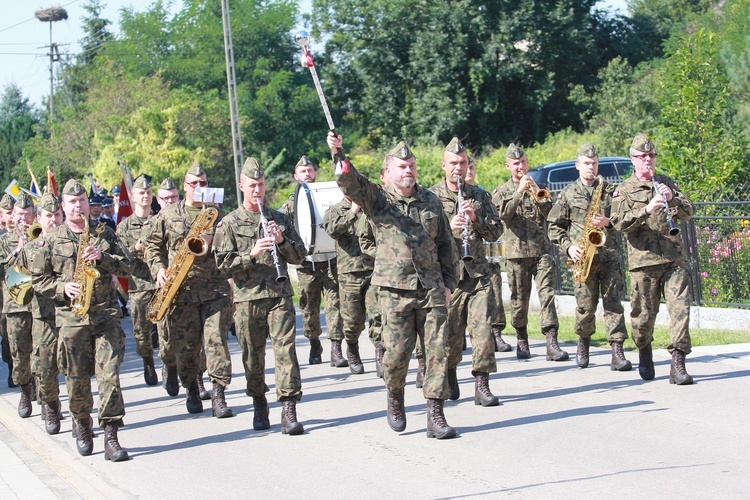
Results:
x,y
592,237
194,245
85,273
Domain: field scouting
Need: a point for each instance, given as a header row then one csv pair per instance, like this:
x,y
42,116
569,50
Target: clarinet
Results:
x,y
674,229
280,275
466,250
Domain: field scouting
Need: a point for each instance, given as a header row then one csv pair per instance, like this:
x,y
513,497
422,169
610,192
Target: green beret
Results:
x,y
303,162
196,169
514,152
401,151
167,184
73,188
251,169
642,143
588,150
23,201
49,203
143,182
455,146
7,202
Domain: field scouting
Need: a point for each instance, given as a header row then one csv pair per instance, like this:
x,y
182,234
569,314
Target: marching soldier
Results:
x,y
570,221
92,343
6,212
528,253
414,268
167,193
643,207
254,244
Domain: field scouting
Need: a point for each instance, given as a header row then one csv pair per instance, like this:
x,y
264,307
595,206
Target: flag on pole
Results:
x,y
13,189
33,186
124,211
51,183
94,185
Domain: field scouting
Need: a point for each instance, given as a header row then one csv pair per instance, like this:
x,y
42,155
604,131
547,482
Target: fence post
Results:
x,y
691,242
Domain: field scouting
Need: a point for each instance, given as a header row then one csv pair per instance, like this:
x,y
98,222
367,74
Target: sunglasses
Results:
x,y
195,184
644,156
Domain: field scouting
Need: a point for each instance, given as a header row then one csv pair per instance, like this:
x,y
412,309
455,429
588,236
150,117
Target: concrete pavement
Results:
x,y
560,432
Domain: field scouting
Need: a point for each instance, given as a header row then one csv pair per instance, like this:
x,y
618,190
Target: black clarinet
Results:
x,y
466,250
674,229
280,274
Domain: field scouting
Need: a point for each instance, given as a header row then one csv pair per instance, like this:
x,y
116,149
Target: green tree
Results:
x,y
18,119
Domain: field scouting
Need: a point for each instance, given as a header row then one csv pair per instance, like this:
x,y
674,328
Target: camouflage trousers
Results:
x,y
93,350
142,327
520,274
409,315
470,308
44,364
21,345
646,287
257,320
5,343
357,302
198,327
312,283
497,309
605,278
166,352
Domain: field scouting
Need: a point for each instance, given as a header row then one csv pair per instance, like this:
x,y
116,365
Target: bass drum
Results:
x,y
311,201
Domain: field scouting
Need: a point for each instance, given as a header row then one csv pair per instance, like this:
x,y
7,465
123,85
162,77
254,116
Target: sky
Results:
x,y
23,56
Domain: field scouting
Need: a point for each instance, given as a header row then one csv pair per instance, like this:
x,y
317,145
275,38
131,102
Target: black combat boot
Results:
x,y
437,427
260,414
171,383
619,363
84,434
204,394
316,352
219,404
193,400
582,353
522,345
453,384
420,372
554,353
24,404
149,371
646,363
395,410
500,344
289,424
337,357
677,373
355,362
482,394
379,352
112,449
52,417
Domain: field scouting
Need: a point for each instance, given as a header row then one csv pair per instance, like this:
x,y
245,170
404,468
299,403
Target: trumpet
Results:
x,y
280,274
465,249
539,195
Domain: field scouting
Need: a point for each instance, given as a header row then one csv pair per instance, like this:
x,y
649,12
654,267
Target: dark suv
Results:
x,y
556,176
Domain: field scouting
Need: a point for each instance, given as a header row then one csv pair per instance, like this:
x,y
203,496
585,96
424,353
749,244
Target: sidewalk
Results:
x,y
560,432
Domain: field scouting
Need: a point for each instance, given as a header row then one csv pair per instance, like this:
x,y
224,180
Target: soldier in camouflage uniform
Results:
x,y
263,295
93,343
656,259
202,308
528,253
6,212
18,317
568,222
472,221
44,332
317,274
414,268
132,231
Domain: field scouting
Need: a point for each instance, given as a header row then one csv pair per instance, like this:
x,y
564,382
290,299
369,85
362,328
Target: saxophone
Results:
x,y
592,237
85,273
193,245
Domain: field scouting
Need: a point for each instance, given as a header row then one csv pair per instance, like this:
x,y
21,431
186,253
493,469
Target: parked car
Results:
x,y
556,176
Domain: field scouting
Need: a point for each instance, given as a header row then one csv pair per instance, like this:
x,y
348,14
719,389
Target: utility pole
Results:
x,y
234,112
51,15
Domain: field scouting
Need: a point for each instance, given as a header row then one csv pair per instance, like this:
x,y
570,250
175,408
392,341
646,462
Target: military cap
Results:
x,y
102,192
73,188
142,182
471,160
455,146
642,143
23,201
115,190
196,169
514,152
49,203
588,150
107,202
304,161
251,169
167,184
7,202
95,200
401,151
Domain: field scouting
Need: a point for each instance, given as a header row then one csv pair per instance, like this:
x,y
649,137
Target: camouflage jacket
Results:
x,y
288,207
42,307
525,222
568,218
486,227
204,281
346,228
649,242
255,278
131,230
55,265
8,244
414,243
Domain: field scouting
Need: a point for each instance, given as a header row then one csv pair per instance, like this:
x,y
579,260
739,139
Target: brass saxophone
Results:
x,y
592,237
193,245
85,273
